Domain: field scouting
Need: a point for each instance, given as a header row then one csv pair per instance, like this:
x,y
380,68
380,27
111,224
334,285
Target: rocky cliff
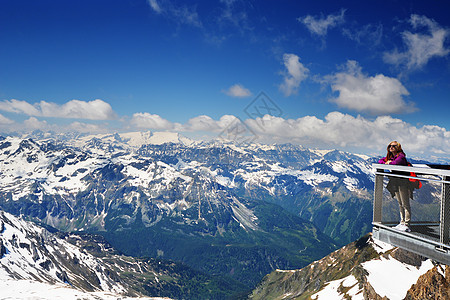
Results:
x,y
365,269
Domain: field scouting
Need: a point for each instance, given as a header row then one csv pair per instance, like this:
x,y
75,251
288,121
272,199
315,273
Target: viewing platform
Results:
x,y
430,211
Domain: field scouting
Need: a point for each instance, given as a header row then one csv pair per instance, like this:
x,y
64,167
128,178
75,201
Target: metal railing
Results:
x,y
435,176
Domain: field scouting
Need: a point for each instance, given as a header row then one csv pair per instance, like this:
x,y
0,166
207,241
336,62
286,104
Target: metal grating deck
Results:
x,y
423,240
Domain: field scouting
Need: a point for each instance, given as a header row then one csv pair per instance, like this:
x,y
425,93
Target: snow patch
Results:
x,y
27,289
379,246
392,278
331,290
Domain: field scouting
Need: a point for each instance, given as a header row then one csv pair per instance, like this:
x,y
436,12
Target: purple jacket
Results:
x,y
400,159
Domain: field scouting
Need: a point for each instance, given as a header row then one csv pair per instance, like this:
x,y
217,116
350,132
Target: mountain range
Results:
x,y
238,211
38,263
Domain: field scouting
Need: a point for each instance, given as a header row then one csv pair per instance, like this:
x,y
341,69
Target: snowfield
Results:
x,y
27,289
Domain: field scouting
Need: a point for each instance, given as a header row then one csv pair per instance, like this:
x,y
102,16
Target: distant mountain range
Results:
x,y
222,208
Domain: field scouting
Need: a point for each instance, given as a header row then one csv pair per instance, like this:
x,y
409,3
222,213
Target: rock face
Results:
x,y
432,285
297,283
365,269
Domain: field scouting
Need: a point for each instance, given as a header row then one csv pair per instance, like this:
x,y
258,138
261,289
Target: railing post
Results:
x,y
378,198
445,211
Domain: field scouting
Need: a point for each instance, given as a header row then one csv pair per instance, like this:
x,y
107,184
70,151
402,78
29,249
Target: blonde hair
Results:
x,y
389,155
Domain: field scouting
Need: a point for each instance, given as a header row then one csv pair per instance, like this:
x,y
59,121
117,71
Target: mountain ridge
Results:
x,y
364,269
86,265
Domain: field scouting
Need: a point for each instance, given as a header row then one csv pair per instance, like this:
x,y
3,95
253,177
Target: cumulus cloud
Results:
x,y
19,107
335,130
238,91
33,123
295,73
201,123
320,25
206,123
420,46
346,131
150,121
74,109
377,94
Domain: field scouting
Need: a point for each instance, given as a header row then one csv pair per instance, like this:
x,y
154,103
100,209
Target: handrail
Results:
x,y
389,174
417,170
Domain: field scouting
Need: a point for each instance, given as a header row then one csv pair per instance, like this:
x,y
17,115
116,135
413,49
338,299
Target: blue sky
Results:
x,y
352,75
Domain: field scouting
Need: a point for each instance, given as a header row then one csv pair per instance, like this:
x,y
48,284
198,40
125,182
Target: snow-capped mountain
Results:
x,y
128,140
132,140
212,190
32,258
365,269
34,171
38,264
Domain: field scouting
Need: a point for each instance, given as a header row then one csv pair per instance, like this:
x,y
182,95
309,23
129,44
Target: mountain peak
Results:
x,y
134,140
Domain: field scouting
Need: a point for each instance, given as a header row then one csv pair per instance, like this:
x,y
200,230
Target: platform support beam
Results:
x,y
378,198
445,211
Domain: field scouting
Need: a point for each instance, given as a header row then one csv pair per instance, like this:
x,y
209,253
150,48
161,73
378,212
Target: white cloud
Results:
x,y
420,47
346,131
202,123
19,107
74,109
155,6
206,123
238,91
335,130
150,121
295,73
33,123
377,95
320,26
86,128
5,121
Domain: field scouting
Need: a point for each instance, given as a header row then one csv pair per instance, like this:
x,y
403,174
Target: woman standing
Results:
x,y
397,186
